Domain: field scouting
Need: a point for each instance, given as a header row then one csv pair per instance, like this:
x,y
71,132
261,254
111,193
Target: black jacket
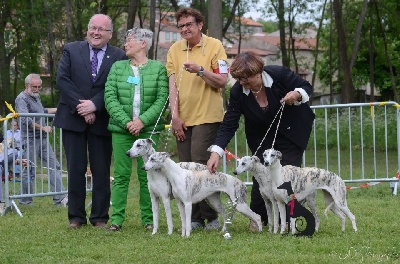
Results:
x,y
74,81
296,122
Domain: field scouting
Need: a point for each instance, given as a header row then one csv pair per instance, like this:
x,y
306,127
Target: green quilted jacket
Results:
x,y
118,95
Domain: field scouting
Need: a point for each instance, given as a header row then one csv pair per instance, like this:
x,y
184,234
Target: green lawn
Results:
x,y
41,236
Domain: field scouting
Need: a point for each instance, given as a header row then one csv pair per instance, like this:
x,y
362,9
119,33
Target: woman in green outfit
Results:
x,y
135,95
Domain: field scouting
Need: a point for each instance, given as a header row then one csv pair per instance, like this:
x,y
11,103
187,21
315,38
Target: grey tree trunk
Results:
x,y
357,34
152,26
282,35
215,19
133,5
348,88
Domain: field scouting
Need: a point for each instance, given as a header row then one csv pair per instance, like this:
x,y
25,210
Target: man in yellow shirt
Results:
x,y
198,72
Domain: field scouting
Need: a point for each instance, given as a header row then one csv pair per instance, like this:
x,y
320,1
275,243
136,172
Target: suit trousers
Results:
x,y
79,146
194,149
122,176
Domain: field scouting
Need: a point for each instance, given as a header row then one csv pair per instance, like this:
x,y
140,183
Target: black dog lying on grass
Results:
x,y
295,210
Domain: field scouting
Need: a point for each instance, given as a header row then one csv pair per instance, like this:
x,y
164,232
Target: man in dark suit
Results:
x,y
81,78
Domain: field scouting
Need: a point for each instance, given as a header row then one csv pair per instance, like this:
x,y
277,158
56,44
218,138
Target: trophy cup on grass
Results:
x,y
229,208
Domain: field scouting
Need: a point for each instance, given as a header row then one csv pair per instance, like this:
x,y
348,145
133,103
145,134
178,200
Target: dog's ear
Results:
x,y
278,154
164,155
150,141
255,159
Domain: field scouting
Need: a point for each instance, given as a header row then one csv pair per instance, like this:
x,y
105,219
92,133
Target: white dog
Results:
x,y
193,186
263,177
159,186
311,179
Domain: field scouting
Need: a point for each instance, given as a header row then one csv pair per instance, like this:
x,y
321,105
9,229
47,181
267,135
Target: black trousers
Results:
x,y
79,148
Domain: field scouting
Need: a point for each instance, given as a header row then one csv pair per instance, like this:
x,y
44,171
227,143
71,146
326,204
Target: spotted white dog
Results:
x,y
262,175
190,187
158,184
311,179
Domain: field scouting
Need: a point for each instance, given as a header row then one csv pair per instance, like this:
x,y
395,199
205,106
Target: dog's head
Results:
x,y
246,163
271,156
141,147
155,161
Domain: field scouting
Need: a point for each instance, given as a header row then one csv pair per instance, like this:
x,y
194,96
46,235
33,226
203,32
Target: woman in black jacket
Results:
x,y
258,95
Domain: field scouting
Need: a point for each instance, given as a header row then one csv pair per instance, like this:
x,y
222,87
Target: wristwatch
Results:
x,y
300,97
201,71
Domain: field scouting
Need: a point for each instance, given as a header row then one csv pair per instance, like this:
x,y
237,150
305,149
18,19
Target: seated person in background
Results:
x,y
11,155
15,133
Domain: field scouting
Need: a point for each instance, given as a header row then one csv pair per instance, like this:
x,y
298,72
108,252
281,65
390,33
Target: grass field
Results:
x,y
41,236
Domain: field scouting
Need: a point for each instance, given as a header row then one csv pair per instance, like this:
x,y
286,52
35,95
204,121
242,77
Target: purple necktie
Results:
x,y
94,64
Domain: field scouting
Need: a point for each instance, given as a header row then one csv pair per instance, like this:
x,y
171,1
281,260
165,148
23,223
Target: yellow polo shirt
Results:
x,y
198,102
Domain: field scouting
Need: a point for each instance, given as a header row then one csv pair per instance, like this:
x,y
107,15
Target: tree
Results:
x,y
4,58
280,8
348,89
316,52
215,19
268,26
152,26
288,14
132,10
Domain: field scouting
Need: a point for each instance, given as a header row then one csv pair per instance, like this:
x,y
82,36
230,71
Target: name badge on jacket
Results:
x,y
133,80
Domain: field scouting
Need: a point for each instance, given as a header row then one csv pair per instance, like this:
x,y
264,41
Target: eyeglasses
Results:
x,y
100,29
36,87
187,25
133,39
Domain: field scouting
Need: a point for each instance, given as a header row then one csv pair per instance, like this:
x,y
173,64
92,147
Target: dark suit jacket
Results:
x,y
74,81
296,122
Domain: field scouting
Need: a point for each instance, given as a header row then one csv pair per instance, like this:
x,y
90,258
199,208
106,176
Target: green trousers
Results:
x,y
122,174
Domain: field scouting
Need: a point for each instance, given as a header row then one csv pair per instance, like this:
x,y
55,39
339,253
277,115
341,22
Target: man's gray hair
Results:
x,y
31,76
141,34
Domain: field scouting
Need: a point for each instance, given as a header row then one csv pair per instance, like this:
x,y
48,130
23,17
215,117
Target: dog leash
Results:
x,y
159,117
177,94
280,111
